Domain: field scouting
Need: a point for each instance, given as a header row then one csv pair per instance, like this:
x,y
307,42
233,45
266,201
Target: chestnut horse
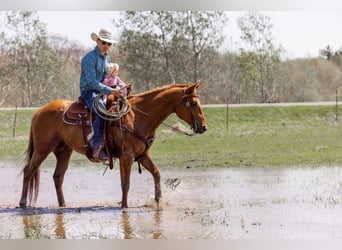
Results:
x,y
131,140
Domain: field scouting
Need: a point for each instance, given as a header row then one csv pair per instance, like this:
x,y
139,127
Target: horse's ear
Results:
x,y
194,86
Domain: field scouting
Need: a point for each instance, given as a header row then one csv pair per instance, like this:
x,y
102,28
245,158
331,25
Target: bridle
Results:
x,y
190,106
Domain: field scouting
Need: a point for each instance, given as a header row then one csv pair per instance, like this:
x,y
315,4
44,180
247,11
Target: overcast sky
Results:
x,y
301,33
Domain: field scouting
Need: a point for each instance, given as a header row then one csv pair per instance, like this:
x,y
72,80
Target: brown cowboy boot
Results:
x,y
99,155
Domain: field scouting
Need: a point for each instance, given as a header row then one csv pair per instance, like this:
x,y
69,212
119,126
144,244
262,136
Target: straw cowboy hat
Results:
x,y
104,35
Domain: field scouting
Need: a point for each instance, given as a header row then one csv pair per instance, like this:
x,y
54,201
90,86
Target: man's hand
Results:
x,y
116,92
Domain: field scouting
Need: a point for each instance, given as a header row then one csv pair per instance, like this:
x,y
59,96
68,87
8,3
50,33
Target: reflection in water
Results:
x,y
134,223
128,231
34,228
59,228
157,233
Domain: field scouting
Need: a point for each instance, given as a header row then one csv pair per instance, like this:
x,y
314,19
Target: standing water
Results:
x,y
230,203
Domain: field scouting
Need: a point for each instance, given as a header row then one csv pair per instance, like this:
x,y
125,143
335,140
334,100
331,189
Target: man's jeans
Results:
x,y
98,125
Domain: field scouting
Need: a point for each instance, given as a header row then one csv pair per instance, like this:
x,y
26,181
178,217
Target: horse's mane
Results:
x,y
161,88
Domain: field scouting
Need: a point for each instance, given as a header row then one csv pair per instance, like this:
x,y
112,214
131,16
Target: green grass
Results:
x,y
14,131
256,136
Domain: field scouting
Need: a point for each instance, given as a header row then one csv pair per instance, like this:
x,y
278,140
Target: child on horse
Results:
x,y
113,80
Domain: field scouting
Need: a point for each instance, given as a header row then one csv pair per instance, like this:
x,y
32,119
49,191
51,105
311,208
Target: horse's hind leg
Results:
x,y
31,174
63,154
147,162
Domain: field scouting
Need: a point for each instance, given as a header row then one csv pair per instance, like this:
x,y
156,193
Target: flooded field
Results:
x,y
231,203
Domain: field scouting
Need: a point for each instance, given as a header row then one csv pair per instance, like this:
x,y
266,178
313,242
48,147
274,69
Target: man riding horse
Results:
x,y
52,132
93,72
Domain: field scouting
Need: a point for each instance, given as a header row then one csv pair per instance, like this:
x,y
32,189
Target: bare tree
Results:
x,y
257,35
204,31
36,70
176,43
30,59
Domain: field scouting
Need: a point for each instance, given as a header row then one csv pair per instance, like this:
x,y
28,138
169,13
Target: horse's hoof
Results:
x,y
22,205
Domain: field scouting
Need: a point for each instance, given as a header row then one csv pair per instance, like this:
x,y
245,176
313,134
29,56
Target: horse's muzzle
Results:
x,y
202,130
199,129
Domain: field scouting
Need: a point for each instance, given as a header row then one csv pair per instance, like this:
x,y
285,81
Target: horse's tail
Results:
x,y
35,179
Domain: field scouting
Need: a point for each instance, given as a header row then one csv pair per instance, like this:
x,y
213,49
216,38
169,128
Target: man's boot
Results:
x,y
99,155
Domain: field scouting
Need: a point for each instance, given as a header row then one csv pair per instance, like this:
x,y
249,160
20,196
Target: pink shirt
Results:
x,y
115,82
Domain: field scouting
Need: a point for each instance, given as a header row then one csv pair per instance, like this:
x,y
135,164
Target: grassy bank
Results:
x,y
256,136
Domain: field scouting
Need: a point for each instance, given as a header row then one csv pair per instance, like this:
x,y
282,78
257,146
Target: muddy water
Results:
x,y
259,203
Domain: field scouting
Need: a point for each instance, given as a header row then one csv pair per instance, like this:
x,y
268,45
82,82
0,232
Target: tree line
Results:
x,y
165,47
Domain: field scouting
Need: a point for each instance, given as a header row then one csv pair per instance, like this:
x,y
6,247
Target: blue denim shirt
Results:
x,y
93,71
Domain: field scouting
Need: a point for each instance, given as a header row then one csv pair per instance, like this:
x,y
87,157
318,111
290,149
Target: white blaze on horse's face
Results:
x,y
190,110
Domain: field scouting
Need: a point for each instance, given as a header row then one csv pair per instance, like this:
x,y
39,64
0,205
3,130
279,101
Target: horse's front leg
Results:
x,y
63,154
147,162
125,175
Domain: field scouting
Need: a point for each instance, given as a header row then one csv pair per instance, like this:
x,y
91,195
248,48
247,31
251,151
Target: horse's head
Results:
x,y
190,109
